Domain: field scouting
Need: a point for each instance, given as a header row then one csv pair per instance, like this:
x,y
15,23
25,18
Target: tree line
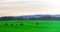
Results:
x,y
31,17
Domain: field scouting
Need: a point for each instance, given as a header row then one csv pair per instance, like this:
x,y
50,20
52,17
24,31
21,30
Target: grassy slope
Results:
x,y
30,26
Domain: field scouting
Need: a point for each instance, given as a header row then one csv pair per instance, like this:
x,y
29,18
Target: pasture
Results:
x,y
30,26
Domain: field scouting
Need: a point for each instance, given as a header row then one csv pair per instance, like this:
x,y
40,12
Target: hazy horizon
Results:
x,y
29,7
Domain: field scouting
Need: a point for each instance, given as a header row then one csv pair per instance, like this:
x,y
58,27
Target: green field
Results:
x,y
30,26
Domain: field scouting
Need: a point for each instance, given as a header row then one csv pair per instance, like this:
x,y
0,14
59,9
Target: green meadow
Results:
x,y
29,25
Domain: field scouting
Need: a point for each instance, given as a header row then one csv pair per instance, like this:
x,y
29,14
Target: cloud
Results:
x,y
28,7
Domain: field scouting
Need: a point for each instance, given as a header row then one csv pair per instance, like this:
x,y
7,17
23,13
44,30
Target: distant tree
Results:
x,y
46,17
6,18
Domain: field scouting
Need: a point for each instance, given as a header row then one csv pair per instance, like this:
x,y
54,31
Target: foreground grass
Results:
x,y
30,26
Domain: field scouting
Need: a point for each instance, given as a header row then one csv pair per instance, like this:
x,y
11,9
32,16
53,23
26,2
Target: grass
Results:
x,y
30,26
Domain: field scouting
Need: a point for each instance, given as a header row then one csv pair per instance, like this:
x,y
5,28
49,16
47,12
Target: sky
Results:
x,y
29,7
